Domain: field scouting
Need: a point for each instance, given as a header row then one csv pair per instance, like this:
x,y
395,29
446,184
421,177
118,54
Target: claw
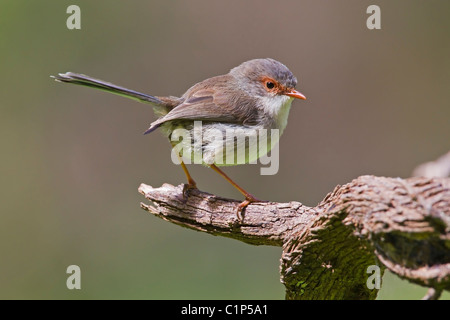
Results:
x,y
243,205
186,189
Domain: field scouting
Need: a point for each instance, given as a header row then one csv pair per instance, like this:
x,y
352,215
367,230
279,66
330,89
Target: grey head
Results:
x,y
264,73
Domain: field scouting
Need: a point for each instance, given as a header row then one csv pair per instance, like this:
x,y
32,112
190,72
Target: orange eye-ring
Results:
x,y
270,85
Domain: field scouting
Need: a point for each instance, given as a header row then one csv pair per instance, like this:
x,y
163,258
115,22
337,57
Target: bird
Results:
x,y
249,101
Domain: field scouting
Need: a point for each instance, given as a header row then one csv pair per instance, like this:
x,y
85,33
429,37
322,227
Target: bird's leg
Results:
x,y
248,197
191,183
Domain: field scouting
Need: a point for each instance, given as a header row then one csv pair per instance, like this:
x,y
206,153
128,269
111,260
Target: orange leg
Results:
x,y
248,197
191,183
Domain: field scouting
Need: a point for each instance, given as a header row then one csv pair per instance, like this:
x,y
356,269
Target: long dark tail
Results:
x,y
81,79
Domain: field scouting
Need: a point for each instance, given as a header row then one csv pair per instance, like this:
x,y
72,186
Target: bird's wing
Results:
x,y
203,104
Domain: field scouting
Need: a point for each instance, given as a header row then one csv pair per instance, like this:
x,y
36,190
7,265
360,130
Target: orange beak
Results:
x,y
294,94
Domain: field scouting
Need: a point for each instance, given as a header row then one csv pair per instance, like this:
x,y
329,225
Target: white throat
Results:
x,y
278,108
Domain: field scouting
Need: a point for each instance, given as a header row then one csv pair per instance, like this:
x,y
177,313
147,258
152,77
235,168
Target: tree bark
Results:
x,y
399,224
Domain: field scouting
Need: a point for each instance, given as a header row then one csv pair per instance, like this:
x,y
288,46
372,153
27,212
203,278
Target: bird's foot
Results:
x,y
191,185
243,205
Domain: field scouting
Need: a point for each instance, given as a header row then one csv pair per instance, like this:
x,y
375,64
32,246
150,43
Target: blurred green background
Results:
x,y
73,158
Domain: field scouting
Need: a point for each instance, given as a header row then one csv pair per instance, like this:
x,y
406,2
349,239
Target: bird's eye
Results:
x,y
270,85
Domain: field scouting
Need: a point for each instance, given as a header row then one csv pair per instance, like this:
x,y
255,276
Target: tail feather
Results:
x,y
81,79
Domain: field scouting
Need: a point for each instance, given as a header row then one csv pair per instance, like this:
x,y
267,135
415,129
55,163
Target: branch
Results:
x,y
399,224
437,168
432,294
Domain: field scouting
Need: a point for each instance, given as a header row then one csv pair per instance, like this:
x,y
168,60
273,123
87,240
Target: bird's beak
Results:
x,y
294,94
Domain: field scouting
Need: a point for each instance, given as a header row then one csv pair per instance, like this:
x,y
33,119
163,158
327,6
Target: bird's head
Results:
x,y
266,78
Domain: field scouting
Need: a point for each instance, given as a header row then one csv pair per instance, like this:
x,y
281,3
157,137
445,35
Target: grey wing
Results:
x,y
201,106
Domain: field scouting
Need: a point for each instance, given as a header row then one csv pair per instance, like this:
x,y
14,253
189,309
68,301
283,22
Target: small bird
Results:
x,y
252,99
